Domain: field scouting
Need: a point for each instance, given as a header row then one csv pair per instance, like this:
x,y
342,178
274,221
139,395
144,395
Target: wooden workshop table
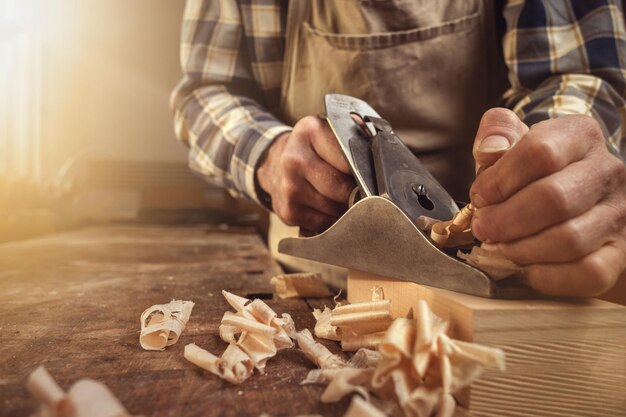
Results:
x,y
72,303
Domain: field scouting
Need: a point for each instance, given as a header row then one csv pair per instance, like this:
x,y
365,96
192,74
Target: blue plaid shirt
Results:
x,y
564,57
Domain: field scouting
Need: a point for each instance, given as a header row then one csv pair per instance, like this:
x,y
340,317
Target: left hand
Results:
x,y
553,200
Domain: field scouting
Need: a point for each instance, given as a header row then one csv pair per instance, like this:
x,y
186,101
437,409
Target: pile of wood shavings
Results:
x,y
413,370
261,335
414,373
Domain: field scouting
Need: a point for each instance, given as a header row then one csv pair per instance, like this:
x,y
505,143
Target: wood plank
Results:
x,y
72,302
564,357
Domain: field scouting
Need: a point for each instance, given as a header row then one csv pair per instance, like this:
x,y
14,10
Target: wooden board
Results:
x,y
72,303
564,358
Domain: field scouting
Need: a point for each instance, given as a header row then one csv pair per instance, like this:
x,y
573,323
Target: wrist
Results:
x,y
264,175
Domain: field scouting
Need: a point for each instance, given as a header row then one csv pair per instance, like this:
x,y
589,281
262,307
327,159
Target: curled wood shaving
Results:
x,y
234,366
418,370
491,262
352,342
347,381
323,328
318,353
362,359
361,408
362,318
457,232
261,335
300,285
86,398
451,233
162,324
359,325
365,358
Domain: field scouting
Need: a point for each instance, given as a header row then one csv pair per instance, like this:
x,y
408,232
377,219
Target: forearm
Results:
x,y
573,94
577,72
226,134
219,106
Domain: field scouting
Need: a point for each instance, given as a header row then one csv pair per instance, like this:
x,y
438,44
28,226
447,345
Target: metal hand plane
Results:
x,y
378,234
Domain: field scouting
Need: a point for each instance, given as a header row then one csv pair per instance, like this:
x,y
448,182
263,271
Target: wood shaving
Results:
x,y
362,318
365,358
162,324
352,342
261,334
361,408
356,326
457,233
300,285
235,366
86,398
418,370
491,262
318,353
323,328
451,233
378,293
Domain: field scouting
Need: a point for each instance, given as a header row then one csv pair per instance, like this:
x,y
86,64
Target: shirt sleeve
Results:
x,y
217,105
567,57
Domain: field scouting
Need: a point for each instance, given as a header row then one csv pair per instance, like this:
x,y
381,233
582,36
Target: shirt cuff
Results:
x,y
249,155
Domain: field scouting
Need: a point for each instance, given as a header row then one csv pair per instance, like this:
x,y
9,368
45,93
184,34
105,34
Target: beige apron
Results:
x,y
430,67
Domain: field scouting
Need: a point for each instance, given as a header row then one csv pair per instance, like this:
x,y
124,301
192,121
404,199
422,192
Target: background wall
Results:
x,y
108,68
86,133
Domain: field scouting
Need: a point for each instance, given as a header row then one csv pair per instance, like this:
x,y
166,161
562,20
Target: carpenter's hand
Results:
x,y
554,201
307,176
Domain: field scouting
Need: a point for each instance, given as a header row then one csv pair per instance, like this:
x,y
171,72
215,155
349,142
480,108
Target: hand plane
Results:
x,y
378,234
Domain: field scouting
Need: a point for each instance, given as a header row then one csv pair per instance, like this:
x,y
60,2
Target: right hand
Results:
x,y
307,176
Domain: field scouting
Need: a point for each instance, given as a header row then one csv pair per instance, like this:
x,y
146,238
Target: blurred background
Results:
x,y
86,132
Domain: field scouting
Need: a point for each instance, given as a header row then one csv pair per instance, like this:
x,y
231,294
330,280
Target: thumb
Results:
x,y
498,131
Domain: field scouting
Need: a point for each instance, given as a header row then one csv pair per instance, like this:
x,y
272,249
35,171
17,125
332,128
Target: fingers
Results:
x,y
547,148
306,217
570,240
543,203
587,277
553,200
323,142
296,200
328,181
498,131
306,175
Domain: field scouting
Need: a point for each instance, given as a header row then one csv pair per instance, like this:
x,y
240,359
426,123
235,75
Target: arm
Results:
x,y
217,105
566,57
234,142
554,201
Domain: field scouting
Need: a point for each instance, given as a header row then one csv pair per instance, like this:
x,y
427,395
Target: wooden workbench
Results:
x,y
72,303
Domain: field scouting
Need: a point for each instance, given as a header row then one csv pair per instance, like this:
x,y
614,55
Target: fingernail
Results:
x,y
494,144
478,201
476,231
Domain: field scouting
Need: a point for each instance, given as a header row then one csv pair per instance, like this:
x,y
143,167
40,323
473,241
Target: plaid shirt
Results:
x,y
564,57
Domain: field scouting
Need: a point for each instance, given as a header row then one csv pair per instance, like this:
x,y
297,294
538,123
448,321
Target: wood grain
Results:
x,y
564,357
72,303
